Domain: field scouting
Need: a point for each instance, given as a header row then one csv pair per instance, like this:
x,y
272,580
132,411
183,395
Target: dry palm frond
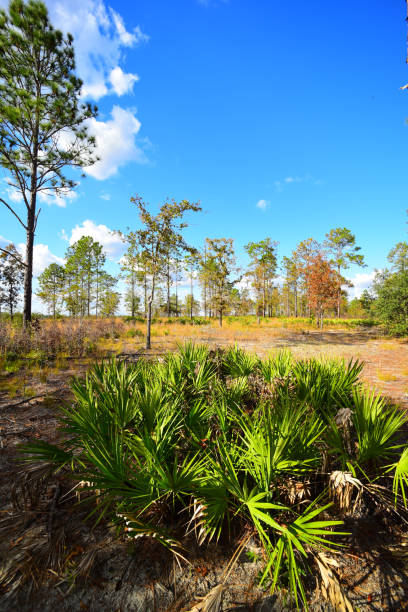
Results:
x,y
341,485
211,602
330,587
197,521
344,417
30,558
137,529
384,498
297,491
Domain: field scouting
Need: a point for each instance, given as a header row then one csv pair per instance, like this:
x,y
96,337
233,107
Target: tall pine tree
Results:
x,y
42,123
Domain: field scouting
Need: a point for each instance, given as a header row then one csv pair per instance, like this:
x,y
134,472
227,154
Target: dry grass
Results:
x,y
386,376
73,343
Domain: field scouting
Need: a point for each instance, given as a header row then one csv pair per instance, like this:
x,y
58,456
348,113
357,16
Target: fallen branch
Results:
x,y
29,399
24,401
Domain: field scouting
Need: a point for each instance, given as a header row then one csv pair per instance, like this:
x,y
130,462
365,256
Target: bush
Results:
x,y
75,337
137,319
392,301
210,438
134,333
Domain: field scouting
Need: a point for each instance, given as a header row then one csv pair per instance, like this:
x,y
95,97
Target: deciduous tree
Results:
x,y
323,285
159,234
220,264
303,254
391,307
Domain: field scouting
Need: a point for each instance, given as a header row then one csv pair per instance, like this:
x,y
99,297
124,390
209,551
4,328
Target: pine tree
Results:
x,y
11,277
341,244
84,275
51,287
42,122
262,271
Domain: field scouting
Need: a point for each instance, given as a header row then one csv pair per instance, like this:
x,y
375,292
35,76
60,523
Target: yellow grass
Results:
x,y
386,376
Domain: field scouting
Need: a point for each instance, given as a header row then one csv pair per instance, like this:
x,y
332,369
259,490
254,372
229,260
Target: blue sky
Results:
x,y
293,106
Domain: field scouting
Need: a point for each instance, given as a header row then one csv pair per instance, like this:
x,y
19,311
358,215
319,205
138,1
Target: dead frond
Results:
x,y
341,487
330,586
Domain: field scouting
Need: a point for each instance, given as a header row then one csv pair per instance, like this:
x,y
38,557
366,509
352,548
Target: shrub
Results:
x,y
213,438
134,333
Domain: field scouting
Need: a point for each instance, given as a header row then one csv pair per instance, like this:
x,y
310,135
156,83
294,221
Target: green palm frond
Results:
x,y
377,426
290,552
277,366
400,480
238,363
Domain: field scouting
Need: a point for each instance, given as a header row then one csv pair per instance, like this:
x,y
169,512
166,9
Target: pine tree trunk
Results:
x,y
192,297
28,273
149,324
168,289
145,295
149,314
133,295
296,302
263,299
339,296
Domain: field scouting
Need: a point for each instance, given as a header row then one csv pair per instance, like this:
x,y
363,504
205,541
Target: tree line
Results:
x,y
81,287
309,281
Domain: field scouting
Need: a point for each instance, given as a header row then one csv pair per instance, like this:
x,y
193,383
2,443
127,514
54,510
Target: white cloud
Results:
x,y
288,180
10,193
361,281
4,241
105,196
127,38
293,179
115,143
42,257
99,35
14,195
262,204
58,200
122,83
111,242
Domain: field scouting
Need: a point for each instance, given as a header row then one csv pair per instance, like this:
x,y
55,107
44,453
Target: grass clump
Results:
x,y
211,443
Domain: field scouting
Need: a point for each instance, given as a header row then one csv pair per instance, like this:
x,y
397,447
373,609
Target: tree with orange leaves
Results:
x,y
323,285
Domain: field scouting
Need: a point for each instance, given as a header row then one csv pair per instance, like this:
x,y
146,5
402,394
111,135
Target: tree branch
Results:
x,y
14,213
36,219
13,256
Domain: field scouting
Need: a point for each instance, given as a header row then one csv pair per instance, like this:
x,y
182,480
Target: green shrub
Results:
x,y
134,333
209,439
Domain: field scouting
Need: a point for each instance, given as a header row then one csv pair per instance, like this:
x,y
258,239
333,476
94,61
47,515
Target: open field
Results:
x,y
385,359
